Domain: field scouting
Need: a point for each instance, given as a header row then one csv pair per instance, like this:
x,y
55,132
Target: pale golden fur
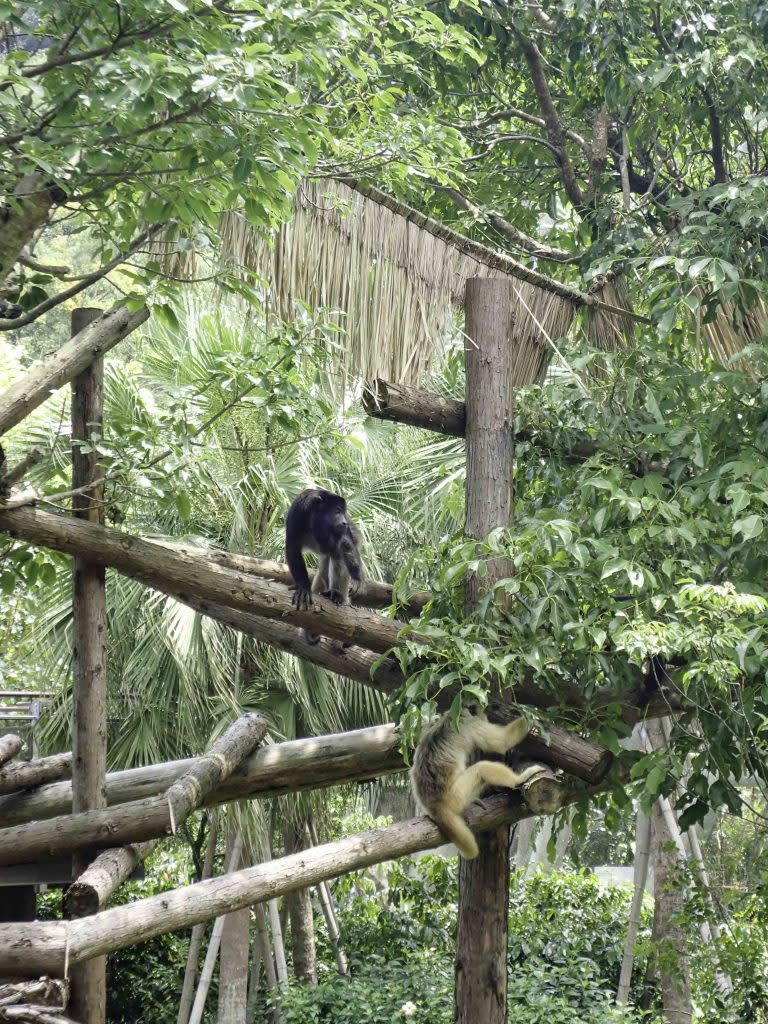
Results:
x,y
445,784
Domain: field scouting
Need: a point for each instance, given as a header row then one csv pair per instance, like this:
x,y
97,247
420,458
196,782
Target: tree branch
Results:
x,y
716,135
551,119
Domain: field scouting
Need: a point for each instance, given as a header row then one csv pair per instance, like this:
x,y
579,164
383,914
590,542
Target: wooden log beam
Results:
x,y
175,573
45,376
10,746
137,820
270,771
414,407
370,594
29,774
280,768
89,893
47,947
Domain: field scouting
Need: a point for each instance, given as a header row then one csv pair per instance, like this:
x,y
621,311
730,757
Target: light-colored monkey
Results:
x,y
445,784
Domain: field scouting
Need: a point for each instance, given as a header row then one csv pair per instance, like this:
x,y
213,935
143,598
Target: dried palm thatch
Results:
x,y
732,330
605,330
396,280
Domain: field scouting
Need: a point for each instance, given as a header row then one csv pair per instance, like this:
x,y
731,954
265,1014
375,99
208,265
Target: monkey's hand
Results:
x,y
301,597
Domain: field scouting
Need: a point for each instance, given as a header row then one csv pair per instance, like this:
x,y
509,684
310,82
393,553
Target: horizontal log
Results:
x,y
10,746
414,407
173,572
89,893
45,376
137,820
35,948
29,774
370,593
270,771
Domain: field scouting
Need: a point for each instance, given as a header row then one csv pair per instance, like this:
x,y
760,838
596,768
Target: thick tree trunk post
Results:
x,y
481,940
88,1000
668,936
642,858
300,911
212,952
196,937
233,959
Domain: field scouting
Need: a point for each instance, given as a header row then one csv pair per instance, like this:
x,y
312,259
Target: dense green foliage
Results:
x,y
564,951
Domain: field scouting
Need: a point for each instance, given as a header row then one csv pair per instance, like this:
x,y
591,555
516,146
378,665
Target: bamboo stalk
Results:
x,y
45,376
642,858
196,937
31,949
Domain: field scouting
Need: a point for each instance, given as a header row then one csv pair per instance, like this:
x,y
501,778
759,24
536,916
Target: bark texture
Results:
x,y
28,209
233,962
300,912
481,938
141,819
44,947
10,746
45,376
88,1000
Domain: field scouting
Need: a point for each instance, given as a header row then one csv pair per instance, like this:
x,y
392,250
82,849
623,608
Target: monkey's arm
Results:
x,y
302,594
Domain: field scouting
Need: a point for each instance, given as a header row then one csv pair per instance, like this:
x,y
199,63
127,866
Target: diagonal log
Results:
x,y
179,574
89,893
370,593
45,376
270,771
139,819
48,947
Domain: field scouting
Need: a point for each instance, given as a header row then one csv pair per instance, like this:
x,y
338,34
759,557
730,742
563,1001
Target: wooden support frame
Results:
x,y
49,947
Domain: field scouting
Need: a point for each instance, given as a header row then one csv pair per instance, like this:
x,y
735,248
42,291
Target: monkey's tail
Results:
x,y
454,827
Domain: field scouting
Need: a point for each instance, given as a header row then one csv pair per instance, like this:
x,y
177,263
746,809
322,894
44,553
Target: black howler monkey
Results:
x,y
317,521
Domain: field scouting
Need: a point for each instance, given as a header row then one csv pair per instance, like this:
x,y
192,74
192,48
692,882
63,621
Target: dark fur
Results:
x,y
317,521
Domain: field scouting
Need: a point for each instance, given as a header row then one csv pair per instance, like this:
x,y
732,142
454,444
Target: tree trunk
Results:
x,y
211,954
75,356
29,208
88,1001
172,572
30,774
233,962
268,962
481,940
91,890
370,593
300,911
196,937
642,858
668,936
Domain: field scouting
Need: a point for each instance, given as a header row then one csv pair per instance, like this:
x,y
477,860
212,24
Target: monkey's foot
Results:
x,y
301,598
336,597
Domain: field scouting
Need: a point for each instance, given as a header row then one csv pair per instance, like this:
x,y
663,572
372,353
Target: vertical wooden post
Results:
x,y
89,724
481,941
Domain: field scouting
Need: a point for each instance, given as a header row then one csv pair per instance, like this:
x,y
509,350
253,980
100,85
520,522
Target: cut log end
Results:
x,y
543,793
